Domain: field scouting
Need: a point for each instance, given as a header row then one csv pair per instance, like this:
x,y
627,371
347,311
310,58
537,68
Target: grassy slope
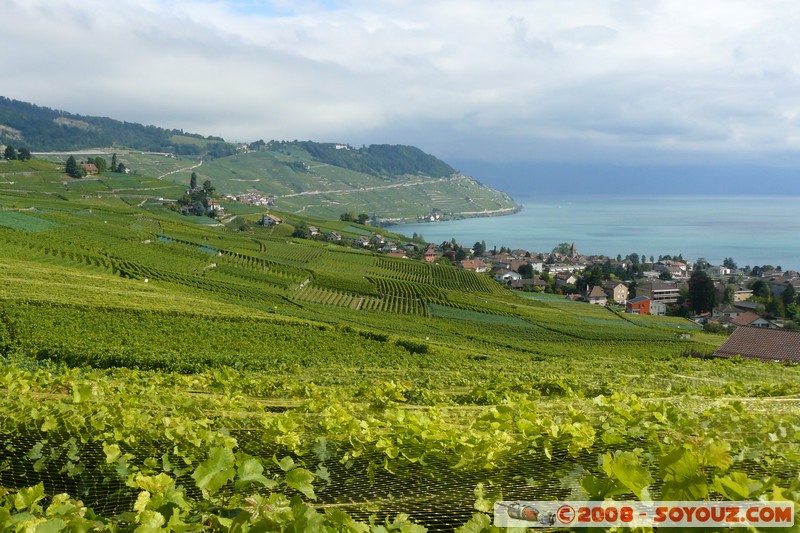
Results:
x,y
327,191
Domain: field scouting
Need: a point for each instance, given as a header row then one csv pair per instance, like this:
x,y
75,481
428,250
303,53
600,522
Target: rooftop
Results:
x,y
763,344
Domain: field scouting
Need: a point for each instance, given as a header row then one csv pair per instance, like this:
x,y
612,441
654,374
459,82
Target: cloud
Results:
x,y
513,79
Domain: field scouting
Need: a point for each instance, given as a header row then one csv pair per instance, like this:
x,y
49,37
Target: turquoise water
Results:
x,y
752,230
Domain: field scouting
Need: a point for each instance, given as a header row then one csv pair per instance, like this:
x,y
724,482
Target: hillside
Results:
x,y
391,183
174,374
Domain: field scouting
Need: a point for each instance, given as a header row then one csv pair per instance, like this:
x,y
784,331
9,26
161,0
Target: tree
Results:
x,y
729,294
526,271
347,217
591,276
563,248
193,181
362,218
702,296
121,168
760,288
100,163
300,231
209,188
10,153
788,295
729,263
72,169
479,249
24,154
665,275
114,162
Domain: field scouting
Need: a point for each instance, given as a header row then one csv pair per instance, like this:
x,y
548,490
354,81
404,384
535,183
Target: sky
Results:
x,y
525,94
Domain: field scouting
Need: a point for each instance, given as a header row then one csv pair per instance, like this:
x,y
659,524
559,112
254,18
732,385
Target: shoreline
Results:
x,y
486,213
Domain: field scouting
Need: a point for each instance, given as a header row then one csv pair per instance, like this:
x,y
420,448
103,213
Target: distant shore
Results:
x,y
455,216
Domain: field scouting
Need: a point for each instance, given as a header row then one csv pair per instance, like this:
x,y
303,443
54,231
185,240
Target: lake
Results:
x,y
752,230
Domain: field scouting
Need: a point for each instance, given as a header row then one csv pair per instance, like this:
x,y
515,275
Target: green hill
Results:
x,y
162,373
390,183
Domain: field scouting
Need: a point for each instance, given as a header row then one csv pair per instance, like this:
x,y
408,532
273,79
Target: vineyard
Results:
x,y
163,375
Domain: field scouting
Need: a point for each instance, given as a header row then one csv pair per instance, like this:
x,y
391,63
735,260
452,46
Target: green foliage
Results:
x,y
72,169
380,159
48,129
256,382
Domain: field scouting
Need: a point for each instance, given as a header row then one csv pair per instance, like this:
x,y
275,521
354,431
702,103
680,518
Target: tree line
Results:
x,y
21,153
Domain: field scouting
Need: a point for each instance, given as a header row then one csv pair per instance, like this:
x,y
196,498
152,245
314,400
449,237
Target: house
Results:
x,y
727,311
565,278
507,276
430,254
90,168
597,296
215,208
363,241
677,269
313,231
748,306
753,320
741,294
270,220
718,272
475,265
378,240
616,291
334,237
638,306
521,283
658,308
778,345
389,247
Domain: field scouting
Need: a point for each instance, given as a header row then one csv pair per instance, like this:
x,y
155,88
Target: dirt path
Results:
x,y
362,189
162,176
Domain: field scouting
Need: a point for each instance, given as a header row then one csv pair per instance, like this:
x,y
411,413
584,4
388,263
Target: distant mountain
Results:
x,y
44,129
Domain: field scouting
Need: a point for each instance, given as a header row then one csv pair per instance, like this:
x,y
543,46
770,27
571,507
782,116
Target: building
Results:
x,y
677,269
753,320
658,308
597,296
565,278
638,306
660,291
90,168
616,291
270,220
778,345
430,254
507,276
475,265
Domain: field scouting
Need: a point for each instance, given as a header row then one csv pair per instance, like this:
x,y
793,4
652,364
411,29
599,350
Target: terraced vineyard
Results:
x,y
164,375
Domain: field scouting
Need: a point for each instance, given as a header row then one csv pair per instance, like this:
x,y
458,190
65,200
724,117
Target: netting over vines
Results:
x,y
117,440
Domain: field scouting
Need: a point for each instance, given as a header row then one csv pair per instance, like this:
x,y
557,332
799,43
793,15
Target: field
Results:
x,y
163,375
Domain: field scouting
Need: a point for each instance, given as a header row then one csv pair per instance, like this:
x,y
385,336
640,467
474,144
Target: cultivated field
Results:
x,y
166,375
